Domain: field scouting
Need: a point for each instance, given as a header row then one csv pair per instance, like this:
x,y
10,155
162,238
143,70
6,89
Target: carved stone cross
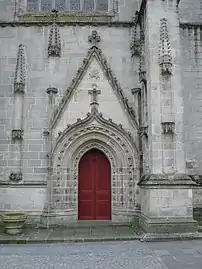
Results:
x,y
94,38
94,92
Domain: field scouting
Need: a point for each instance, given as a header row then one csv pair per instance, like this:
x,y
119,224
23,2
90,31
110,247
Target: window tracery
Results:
x,y
85,6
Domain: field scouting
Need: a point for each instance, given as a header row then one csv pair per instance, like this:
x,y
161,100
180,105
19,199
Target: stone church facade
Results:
x,y
100,112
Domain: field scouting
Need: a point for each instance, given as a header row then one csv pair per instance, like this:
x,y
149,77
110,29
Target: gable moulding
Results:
x,y
97,53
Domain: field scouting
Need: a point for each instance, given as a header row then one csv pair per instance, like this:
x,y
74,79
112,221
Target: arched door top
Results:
x,y
94,186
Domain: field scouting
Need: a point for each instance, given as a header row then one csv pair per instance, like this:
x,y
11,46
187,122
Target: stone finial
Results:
x,y
19,80
54,43
142,67
165,58
136,42
17,134
168,127
94,38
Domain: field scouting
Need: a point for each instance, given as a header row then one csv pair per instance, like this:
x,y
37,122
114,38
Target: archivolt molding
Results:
x,y
95,132
98,145
96,52
124,176
85,125
95,126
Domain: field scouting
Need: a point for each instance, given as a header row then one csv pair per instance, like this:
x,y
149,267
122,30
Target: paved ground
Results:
x,y
81,234
111,255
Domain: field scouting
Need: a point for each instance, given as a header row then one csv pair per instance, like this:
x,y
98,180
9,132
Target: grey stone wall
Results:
x,y
192,89
41,72
191,51
191,11
29,199
124,9
7,10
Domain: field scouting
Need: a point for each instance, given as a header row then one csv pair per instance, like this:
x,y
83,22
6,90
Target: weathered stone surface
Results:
x,y
158,135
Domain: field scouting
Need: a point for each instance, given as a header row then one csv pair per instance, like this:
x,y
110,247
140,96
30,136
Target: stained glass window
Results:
x,y
67,5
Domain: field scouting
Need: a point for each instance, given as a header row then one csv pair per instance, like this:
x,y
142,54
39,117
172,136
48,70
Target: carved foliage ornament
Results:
x,y
165,58
117,189
17,134
168,127
15,177
90,129
95,115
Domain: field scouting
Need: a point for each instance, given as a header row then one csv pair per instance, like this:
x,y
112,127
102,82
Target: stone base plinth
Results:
x,y
68,217
57,218
167,226
166,204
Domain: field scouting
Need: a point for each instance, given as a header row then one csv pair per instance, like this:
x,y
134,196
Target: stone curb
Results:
x,y
66,240
141,238
170,237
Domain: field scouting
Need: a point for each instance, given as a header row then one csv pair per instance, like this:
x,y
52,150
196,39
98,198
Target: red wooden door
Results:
x,y
94,191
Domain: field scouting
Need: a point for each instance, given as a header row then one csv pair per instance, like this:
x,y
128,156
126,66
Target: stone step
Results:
x,y
97,223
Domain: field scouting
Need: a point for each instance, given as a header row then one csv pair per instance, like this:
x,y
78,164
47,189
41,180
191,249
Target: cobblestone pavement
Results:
x,y
111,255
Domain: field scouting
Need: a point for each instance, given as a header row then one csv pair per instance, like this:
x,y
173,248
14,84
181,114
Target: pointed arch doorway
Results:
x,y
94,186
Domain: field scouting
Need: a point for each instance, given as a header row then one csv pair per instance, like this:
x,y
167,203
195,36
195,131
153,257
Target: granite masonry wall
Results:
x,y
41,72
191,45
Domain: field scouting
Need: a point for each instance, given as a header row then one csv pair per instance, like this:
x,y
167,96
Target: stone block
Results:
x,y
167,205
37,148
3,162
197,212
40,170
168,225
30,155
34,163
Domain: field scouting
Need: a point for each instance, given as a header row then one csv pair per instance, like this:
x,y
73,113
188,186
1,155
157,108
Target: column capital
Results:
x,y
167,180
52,90
135,90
